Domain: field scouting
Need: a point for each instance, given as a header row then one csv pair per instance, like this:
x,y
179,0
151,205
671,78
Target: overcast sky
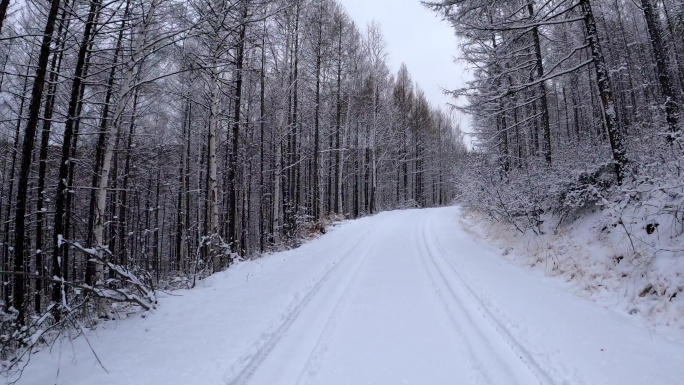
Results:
x,y
417,37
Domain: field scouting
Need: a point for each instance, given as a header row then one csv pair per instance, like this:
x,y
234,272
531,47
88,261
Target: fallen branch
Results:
x,y
112,294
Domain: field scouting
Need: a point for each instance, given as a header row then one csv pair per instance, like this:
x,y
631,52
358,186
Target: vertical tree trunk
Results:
x,y
212,165
567,116
520,157
373,164
628,59
277,182
6,257
403,152
26,157
358,175
501,123
99,149
108,150
292,203
576,118
183,217
245,209
262,139
68,229
61,208
286,148
605,89
662,68
338,124
42,157
419,171
546,126
675,47
294,163
157,230
4,4
505,159
232,169
123,199
317,113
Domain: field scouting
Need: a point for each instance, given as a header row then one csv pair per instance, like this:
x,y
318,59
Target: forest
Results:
x,y
146,144
576,107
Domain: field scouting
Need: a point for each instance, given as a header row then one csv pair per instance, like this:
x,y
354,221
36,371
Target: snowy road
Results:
x,y
404,297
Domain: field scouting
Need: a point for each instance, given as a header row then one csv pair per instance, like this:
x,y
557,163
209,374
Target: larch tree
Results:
x,y
178,136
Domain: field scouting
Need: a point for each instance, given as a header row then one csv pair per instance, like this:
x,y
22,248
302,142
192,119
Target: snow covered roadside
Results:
x,y
611,260
572,340
404,297
195,336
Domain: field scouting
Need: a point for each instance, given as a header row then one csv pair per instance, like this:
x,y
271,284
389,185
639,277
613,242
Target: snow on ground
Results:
x,y
404,297
608,258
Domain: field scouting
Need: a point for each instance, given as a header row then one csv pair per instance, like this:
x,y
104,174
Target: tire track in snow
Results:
x,y
477,333
312,364
465,296
481,349
440,290
244,368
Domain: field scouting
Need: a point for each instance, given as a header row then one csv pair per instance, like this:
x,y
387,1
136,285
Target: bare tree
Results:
x,y
26,158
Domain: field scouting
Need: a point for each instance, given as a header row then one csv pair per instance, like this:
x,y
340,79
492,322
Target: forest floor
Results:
x,y
403,297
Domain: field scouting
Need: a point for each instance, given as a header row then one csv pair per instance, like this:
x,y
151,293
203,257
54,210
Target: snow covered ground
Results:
x,y
404,297
606,258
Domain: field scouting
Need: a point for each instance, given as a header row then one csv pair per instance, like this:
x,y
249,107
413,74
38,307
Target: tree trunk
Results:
x,y
662,68
317,113
6,287
26,157
183,217
123,200
546,127
338,125
232,169
108,151
4,4
61,208
262,159
42,157
277,181
605,89
99,149
212,165
293,167
675,47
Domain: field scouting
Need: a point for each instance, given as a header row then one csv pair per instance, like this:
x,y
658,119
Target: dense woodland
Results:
x,y
145,143
576,106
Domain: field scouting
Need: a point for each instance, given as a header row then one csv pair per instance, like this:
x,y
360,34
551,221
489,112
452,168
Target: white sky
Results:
x,y
419,38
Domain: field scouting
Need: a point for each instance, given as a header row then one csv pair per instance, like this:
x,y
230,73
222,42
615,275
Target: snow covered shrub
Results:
x,y
584,189
653,202
517,197
622,244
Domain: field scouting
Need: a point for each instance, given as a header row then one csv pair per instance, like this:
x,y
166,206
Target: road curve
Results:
x,y
388,314
402,297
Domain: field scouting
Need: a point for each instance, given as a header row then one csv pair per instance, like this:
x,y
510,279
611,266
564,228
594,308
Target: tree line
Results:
x,y
145,142
575,105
